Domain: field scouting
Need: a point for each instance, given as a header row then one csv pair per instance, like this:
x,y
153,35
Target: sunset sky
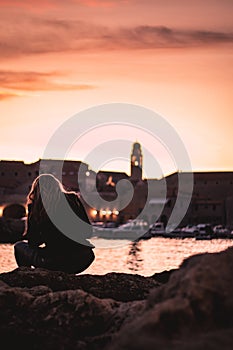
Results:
x,y
172,56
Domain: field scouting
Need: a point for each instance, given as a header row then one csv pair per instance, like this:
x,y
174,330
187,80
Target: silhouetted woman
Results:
x,y
48,246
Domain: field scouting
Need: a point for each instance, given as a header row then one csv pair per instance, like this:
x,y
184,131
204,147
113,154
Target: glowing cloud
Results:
x,y
34,81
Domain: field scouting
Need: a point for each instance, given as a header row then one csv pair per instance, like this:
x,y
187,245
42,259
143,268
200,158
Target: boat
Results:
x,y
189,231
157,229
220,231
132,230
201,236
205,232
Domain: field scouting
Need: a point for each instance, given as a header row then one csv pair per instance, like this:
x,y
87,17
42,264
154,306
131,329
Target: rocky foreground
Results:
x,y
11,230
188,308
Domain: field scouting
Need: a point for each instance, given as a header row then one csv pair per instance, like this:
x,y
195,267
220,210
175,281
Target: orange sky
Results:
x,y
172,56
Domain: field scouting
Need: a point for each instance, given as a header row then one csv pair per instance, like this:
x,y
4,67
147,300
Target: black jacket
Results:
x,y
59,243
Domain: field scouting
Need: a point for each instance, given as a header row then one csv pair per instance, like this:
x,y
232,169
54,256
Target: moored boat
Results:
x,y
132,230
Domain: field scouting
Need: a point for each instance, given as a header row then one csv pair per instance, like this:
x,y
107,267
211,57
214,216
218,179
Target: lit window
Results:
x,y
94,212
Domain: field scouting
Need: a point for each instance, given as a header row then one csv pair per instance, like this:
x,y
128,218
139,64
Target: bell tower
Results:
x,y
136,162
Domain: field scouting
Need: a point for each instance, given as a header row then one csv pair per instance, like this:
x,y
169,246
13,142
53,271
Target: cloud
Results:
x,y
45,4
29,35
164,37
211,37
14,83
7,95
33,35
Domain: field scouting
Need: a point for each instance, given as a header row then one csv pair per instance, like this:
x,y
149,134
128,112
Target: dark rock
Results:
x,y
38,318
11,230
118,286
14,211
163,277
42,309
194,310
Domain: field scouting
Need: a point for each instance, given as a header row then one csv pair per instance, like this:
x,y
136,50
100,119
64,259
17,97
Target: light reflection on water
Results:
x,y
157,254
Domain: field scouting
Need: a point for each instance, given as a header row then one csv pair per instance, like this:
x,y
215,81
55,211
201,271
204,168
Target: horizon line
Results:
x,y
216,170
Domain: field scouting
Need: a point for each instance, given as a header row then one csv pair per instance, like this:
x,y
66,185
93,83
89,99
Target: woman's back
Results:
x,y
58,242
57,229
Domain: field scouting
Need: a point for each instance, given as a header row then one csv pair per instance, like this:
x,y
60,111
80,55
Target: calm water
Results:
x,y
154,255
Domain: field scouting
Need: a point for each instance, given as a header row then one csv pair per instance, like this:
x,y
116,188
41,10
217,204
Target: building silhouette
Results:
x,y
212,197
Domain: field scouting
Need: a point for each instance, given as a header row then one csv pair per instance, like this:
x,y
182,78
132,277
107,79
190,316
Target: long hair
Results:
x,y
46,188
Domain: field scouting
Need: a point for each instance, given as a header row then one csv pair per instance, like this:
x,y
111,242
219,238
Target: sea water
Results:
x,y
145,258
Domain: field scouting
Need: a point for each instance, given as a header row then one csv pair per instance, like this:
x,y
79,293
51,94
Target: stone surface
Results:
x,y
194,310
37,317
14,211
11,230
163,277
118,286
52,310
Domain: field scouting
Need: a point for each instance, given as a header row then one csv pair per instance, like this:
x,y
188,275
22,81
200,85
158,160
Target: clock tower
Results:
x,y
136,162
